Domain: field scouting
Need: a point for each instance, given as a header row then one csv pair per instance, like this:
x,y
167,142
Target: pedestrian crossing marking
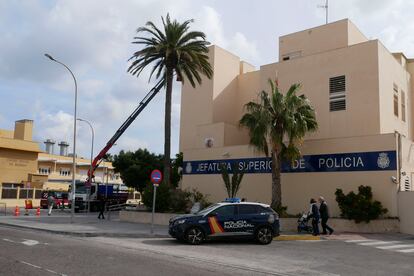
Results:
x,y
406,250
378,243
356,241
395,246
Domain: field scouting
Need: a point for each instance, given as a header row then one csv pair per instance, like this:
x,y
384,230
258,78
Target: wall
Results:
x,y
298,188
406,214
390,72
15,165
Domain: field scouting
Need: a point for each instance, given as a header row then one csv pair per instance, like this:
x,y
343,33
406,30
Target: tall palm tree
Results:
x,y
277,124
173,50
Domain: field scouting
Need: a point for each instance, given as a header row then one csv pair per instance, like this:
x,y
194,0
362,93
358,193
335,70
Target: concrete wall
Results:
x,y
298,188
391,72
406,212
15,165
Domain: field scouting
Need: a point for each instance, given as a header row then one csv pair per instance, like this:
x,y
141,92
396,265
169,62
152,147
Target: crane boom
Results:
x,y
144,102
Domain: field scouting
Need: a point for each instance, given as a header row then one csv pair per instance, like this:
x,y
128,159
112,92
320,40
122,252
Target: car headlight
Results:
x,y
181,221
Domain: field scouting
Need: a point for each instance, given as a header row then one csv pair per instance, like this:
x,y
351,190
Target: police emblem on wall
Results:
x,y
188,168
383,160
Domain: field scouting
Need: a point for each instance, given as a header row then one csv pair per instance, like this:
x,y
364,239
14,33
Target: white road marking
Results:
x,y
356,241
395,246
30,242
41,268
378,243
406,250
8,240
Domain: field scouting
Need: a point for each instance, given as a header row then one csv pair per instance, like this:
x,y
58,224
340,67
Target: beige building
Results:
x,y
362,94
25,169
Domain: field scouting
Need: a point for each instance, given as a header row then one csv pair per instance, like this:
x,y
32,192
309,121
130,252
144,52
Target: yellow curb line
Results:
x,y
297,238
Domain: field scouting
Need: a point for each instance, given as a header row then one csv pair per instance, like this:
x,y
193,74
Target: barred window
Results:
x,y
337,88
395,88
403,106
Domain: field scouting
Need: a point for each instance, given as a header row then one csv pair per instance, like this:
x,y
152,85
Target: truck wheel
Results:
x,y
264,235
194,236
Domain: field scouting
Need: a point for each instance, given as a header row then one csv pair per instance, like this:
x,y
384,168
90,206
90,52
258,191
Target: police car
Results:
x,y
227,219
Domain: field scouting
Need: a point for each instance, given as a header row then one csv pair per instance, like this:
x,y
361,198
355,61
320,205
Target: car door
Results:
x,y
247,218
220,219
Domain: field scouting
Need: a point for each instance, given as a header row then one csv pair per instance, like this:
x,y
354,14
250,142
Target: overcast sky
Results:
x,y
94,39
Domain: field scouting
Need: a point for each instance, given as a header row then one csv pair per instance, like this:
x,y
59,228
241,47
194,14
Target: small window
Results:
x,y
403,106
337,88
44,170
245,209
64,172
224,211
395,100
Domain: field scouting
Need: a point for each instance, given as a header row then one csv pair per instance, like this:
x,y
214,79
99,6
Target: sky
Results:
x,y
93,37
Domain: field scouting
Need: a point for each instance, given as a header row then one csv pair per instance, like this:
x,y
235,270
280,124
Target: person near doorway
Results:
x,y
50,203
323,210
314,214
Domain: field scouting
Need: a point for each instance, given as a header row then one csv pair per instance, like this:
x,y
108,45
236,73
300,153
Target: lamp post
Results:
x,y
72,211
90,170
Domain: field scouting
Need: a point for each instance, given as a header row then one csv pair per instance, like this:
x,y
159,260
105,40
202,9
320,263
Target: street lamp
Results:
x,y
90,170
72,211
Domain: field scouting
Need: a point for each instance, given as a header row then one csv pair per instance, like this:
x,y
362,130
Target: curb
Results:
x,y
87,234
297,238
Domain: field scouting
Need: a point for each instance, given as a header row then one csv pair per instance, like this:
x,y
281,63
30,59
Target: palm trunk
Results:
x,y
167,128
276,183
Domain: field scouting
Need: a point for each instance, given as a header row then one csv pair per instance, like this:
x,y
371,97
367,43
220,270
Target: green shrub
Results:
x,y
163,200
183,200
359,207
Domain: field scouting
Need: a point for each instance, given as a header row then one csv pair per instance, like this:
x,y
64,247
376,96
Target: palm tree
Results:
x,y
232,184
277,124
173,50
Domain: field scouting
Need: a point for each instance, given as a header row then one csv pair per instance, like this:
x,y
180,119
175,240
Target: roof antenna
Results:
x,y
326,10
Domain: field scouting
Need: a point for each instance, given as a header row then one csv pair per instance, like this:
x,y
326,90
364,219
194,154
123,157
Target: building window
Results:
x,y
403,106
337,88
44,170
395,100
64,172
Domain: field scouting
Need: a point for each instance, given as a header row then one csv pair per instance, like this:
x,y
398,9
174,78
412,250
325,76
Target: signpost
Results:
x,y
156,178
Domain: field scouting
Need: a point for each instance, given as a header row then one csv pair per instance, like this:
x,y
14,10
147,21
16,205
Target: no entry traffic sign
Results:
x,y
156,177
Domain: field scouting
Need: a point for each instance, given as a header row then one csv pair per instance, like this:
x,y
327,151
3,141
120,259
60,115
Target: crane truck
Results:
x,y
90,191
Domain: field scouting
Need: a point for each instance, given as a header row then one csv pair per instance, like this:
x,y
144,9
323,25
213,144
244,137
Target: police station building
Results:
x,y
362,94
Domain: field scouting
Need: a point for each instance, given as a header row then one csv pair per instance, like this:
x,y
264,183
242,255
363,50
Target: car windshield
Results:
x,y
208,209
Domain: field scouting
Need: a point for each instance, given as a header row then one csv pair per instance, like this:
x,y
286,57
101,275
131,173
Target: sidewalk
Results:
x,y
86,225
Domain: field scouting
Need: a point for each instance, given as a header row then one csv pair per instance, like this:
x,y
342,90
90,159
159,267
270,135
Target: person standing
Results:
x,y
102,204
323,210
314,214
50,203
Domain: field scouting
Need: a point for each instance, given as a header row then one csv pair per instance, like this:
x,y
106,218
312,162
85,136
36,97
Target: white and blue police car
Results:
x,y
230,218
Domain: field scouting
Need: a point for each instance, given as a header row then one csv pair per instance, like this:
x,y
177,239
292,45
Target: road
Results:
x,y
25,252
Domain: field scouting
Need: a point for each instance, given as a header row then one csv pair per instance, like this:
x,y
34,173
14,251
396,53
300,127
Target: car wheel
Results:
x,y
194,236
264,235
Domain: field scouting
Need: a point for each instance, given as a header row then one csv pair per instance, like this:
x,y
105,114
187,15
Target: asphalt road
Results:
x,y
26,252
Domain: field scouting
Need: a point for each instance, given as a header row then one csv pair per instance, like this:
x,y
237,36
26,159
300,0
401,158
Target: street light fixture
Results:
x,y
72,212
90,170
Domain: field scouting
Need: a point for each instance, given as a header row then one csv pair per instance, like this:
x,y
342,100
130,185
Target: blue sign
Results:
x,y
156,177
338,162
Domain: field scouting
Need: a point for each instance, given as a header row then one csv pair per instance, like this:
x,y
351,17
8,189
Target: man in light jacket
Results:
x,y
50,203
314,214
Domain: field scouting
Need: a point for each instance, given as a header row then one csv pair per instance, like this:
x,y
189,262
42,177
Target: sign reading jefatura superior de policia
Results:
x,y
338,162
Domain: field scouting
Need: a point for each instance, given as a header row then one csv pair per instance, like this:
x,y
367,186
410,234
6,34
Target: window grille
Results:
x,y
403,106
337,88
395,88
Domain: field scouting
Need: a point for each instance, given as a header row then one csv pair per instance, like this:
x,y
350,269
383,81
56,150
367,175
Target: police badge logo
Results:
x,y
188,168
383,160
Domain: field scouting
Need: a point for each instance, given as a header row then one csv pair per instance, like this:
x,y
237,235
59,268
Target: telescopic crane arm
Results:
x,y
99,158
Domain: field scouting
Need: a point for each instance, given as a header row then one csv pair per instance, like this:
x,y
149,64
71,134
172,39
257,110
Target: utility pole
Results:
x,y
326,7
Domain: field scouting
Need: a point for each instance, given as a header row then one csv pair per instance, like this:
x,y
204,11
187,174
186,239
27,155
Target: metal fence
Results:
x,y
9,193
3,208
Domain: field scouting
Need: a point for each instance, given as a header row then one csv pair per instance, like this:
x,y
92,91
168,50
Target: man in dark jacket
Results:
x,y
314,214
323,210
102,204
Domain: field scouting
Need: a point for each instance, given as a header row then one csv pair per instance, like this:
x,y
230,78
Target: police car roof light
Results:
x,y
232,200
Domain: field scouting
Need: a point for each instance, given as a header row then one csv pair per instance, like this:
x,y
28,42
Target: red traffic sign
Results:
x,y
156,177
